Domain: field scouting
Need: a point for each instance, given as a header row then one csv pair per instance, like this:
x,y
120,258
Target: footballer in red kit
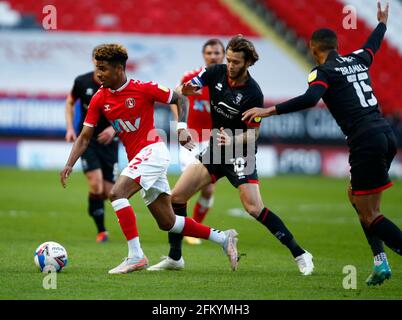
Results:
x,y
134,122
199,124
129,106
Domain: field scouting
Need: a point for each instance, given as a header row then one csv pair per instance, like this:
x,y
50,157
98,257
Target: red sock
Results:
x,y
199,212
128,222
195,229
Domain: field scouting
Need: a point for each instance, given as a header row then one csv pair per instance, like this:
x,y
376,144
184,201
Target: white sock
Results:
x,y
206,203
134,249
178,225
217,236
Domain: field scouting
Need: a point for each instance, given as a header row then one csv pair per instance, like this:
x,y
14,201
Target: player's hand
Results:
x,y
223,138
382,16
185,139
106,136
64,174
70,135
253,113
189,89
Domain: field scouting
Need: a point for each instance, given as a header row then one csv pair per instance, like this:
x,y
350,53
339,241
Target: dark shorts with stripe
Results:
x,y
237,170
104,157
370,160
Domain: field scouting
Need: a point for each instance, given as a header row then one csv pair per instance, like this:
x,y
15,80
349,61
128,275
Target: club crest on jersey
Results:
x,y
130,103
89,92
238,99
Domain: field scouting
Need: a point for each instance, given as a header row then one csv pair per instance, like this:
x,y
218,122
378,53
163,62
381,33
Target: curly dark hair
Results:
x,y
112,53
241,44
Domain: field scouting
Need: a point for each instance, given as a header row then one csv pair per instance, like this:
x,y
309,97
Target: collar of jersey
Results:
x,y
121,88
332,55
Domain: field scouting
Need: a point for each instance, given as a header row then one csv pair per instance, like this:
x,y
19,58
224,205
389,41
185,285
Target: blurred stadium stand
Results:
x,y
164,40
150,16
292,21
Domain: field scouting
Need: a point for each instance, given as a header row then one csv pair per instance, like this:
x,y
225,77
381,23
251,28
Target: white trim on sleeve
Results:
x,y
170,96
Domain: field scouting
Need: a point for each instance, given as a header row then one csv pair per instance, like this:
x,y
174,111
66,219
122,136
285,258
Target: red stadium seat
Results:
x,y
207,17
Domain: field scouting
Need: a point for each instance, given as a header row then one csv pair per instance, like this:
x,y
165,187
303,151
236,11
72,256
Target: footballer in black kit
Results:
x,y
231,152
100,160
343,82
98,155
228,102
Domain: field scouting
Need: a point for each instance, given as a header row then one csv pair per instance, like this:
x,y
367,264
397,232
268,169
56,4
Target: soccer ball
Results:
x,y
50,256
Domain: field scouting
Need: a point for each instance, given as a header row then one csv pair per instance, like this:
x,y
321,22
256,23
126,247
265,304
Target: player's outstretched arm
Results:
x,y
309,99
79,146
373,43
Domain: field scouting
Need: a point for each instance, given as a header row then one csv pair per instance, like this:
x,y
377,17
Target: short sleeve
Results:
x,y
94,110
318,77
158,93
204,77
256,102
75,91
366,56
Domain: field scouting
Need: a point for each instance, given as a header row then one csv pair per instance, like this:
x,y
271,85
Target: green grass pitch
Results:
x,y
34,208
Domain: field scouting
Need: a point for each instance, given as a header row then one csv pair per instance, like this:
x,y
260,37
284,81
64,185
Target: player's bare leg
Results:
x,y
163,213
96,202
250,197
201,208
204,202
124,188
194,178
368,208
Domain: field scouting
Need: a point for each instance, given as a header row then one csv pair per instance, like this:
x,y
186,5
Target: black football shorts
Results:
x,y
104,157
370,160
238,170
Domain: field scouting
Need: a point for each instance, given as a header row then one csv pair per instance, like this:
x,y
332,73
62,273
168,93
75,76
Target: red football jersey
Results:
x,y
130,110
199,116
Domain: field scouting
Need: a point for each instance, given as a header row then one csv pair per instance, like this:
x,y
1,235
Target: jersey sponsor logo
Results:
x,y
229,108
120,125
218,86
130,103
163,88
225,110
312,76
201,106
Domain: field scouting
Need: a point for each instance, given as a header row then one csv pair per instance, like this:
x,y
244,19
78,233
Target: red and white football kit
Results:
x,y
130,110
199,122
